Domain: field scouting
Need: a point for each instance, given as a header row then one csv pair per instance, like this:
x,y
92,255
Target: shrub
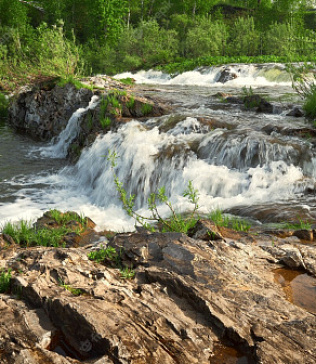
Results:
x,y
176,222
207,38
303,81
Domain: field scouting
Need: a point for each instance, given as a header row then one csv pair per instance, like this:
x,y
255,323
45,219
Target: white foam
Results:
x,y
247,75
60,147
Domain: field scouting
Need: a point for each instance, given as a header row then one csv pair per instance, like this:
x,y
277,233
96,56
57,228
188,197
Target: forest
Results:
x,y
71,37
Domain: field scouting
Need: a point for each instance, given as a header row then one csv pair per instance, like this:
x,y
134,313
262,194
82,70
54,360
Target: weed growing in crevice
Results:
x,y
234,223
109,254
74,291
5,281
301,225
131,102
105,122
147,109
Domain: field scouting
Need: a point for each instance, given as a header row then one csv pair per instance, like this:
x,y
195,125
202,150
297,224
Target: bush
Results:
x,y
207,38
244,38
4,103
304,83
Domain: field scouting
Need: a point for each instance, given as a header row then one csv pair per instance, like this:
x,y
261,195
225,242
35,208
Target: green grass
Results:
x,y
127,273
112,99
301,225
78,85
90,121
146,109
105,122
64,218
131,102
26,235
74,291
190,64
234,223
127,81
110,254
179,223
5,279
103,254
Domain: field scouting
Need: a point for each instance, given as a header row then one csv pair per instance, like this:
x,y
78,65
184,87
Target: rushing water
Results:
x,y
240,161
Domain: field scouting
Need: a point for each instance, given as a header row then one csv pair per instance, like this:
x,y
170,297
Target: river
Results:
x,y
250,164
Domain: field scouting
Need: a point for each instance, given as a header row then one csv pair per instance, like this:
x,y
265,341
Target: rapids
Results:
x,y
240,161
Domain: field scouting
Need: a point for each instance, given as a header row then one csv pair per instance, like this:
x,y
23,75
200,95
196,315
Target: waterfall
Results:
x,y
59,148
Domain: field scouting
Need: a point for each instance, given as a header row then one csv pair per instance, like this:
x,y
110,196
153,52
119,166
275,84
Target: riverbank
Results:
x,y
190,299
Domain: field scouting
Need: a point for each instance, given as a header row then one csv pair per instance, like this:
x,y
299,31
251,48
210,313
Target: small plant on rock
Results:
x,y
105,122
176,222
146,109
5,280
103,254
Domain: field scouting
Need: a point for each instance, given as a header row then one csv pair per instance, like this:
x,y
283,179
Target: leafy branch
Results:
x,y
176,222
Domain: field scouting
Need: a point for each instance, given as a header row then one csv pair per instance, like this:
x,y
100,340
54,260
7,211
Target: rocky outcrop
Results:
x,y
190,299
43,111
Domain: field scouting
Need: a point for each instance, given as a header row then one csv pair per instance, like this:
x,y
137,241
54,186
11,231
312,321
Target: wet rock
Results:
x,y
205,230
297,112
43,112
233,100
304,234
226,75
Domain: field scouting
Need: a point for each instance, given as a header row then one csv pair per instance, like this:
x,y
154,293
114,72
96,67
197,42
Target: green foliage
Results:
x,y
4,104
131,103
127,81
74,291
110,254
207,38
117,35
146,109
26,235
176,222
5,280
301,225
105,122
73,81
245,38
127,273
66,217
106,253
303,82
231,222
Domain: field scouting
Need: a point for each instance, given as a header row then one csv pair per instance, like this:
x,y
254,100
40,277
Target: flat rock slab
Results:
x,y
188,297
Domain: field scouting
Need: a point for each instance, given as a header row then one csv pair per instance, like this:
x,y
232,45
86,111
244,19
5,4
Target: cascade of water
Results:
x,y
250,75
149,159
60,148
